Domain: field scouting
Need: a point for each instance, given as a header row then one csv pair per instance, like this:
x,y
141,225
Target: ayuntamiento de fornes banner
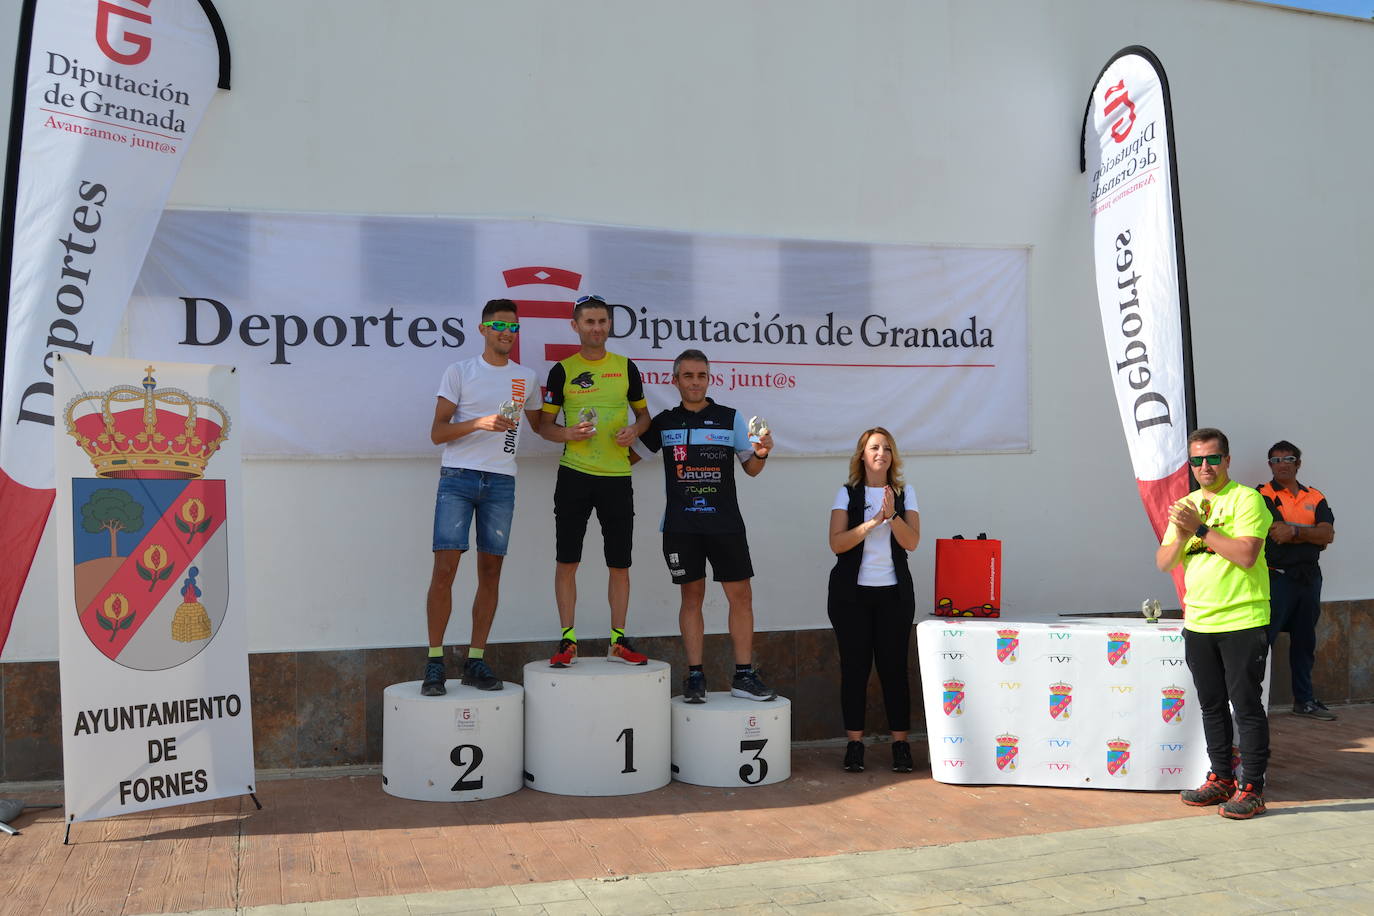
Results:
x,y
341,325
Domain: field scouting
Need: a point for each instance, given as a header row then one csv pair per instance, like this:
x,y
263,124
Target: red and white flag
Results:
x,y
1128,156
111,93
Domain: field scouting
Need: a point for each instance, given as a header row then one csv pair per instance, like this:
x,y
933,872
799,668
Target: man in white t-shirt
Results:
x,y
477,421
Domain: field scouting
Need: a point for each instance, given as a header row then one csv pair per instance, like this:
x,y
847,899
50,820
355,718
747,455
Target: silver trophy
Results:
x,y
1149,609
587,415
757,427
510,410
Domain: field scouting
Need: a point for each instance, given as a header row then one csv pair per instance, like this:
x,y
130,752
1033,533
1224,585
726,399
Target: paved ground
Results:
x,y
824,841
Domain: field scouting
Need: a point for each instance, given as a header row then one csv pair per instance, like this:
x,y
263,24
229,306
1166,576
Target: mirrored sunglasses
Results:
x,y
512,326
1213,460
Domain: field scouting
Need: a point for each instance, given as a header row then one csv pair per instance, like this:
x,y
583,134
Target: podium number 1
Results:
x,y
747,770
628,734
464,784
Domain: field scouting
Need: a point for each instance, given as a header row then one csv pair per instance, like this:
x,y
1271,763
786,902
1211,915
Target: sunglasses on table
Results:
x,y
1284,459
1213,460
512,326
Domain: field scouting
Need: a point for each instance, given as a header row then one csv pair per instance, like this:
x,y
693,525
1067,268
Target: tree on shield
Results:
x,y
114,511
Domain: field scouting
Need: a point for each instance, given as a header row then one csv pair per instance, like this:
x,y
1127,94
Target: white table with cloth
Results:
x,y
1103,703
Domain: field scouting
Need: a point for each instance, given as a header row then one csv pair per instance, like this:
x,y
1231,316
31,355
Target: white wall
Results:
x,y
943,122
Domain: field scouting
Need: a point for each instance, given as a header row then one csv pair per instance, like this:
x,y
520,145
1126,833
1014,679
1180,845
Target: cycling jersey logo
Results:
x,y
679,453
584,380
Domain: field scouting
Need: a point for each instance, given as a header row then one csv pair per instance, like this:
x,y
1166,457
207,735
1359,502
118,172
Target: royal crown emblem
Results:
x,y
146,431
149,544
1118,756
1007,751
1061,696
954,698
1171,703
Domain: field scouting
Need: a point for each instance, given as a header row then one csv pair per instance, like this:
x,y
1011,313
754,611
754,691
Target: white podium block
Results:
x,y
597,728
731,741
462,746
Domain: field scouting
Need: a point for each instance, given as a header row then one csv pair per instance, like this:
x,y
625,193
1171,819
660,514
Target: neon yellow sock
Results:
x,y
476,653
436,651
570,633
616,635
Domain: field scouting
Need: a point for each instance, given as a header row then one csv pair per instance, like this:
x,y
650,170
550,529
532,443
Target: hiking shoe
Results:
x,y
694,687
901,757
1212,792
1244,805
566,654
1314,709
622,651
854,757
433,684
477,673
749,686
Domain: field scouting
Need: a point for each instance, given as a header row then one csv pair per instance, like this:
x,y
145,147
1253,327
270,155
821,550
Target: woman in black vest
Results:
x,y
874,524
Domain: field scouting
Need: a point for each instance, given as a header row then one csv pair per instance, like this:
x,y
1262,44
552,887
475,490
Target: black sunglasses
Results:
x,y
1213,460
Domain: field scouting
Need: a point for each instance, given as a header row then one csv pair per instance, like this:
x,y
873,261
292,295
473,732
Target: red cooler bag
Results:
x,y
968,577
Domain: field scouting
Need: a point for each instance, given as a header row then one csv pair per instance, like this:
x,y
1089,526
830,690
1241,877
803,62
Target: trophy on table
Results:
x,y
510,410
757,427
587,415
1149,609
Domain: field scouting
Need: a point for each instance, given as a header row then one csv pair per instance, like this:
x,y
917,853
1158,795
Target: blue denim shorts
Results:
x,y
461,492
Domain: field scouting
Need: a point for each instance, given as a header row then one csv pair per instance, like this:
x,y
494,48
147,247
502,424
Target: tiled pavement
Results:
x,y
824,841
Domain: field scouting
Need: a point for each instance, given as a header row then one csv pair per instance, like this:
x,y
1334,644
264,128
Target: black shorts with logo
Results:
x,y
575,495
686,555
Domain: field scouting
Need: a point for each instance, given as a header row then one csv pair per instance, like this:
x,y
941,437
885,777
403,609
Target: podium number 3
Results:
x,y
748,769
464,784
628,735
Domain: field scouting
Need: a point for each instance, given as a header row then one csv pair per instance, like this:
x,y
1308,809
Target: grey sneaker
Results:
x,y
750,686
476,673
433,684
1314,709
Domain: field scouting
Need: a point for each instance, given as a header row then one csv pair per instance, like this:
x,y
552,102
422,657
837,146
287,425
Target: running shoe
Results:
x,y
901,757
433,684
566,654
1314,709
622,651
694,687
854,757
477,673
748,685
1212,792
1245,804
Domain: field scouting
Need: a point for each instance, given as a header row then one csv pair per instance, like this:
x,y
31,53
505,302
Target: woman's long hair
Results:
x,y
856,462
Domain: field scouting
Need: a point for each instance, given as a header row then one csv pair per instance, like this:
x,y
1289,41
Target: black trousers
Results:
x,y
1228,671
874,630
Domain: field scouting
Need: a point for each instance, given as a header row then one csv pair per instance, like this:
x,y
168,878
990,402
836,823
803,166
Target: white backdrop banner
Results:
x,y
1132,200
152,636
342,325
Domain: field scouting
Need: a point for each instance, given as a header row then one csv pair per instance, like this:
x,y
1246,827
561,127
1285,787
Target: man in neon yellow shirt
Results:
x,y
595,390
1218,532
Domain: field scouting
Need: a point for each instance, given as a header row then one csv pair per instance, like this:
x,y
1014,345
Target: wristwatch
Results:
x,y
1201,531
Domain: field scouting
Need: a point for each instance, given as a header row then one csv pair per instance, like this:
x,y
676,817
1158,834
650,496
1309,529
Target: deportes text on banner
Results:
x,y
821,337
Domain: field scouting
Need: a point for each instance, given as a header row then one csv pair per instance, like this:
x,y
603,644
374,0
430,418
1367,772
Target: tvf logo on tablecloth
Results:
x,y
954,698
1007,751
1007,643
151,577
1118,757
1118,649
1061,697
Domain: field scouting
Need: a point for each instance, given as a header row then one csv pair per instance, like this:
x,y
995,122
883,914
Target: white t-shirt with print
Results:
x,y
876,569
479,388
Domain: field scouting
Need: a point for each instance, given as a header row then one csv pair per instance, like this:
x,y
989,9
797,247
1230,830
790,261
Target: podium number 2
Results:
x,y
464,784
747,770
628,734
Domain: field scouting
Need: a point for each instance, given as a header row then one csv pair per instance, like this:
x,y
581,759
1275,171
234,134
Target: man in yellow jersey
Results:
x,y
595,390
1218,532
